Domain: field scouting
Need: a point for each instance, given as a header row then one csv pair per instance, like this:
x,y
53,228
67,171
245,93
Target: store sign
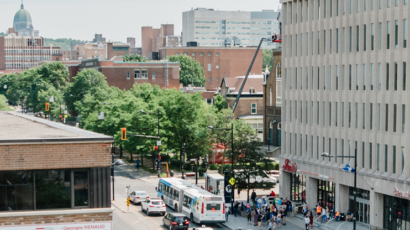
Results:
x,y
289,166
62,226
398,193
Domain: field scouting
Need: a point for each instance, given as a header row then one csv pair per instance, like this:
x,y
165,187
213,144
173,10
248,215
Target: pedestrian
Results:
x,y
253,197
226,213
311,220
138,164
239,193
285,213
272,193
255,218
270,225
307,222
323,215
318,211
235,208
279,219
260,216
249,216
263,215
280,202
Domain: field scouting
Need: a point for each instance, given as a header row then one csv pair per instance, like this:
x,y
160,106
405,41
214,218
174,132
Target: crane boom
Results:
x,y
246,77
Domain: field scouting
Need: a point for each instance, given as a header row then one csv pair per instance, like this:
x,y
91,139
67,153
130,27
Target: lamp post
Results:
x,y
159,141
233,191
355,180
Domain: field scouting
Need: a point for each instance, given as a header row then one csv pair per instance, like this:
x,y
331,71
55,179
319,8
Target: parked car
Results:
x,y
274,173
176,221
138,196
151,206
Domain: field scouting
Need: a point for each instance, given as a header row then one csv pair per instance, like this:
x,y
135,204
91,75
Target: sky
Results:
x,y
115,19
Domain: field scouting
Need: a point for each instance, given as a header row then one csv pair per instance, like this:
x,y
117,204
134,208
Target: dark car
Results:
x,y
176,220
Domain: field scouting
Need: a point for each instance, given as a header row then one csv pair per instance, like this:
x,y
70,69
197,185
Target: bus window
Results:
x,y
171,193
213,207
177,195
185,201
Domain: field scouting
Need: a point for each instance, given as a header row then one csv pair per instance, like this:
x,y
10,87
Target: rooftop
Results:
x,y
25,128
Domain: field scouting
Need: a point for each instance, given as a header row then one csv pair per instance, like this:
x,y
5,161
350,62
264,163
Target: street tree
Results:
x,y
134,58
191,71
219,102
4,106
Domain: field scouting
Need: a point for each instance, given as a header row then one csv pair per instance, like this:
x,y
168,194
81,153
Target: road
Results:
x,y
135,219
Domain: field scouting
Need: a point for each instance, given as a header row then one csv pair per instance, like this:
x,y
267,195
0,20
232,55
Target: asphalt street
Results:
x,y
134,218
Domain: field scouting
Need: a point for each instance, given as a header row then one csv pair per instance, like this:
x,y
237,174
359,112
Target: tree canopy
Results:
x,y
191,71
267,59
134,58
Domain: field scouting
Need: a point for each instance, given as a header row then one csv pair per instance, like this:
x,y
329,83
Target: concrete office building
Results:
x,y
210,27
344,68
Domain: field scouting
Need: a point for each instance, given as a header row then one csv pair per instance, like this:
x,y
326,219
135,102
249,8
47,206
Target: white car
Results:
x,y
138,196
156,205
274,173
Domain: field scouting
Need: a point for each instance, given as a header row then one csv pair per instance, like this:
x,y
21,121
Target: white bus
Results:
x,y
201,206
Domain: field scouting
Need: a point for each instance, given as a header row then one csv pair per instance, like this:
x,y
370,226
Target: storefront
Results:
x,y
362,204
298,188
326,194
396,211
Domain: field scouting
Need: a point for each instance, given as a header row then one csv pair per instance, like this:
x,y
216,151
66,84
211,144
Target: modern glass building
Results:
x,y
344,90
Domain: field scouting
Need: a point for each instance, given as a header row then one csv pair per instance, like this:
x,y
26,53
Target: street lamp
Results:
x,y
211,127
159,141
325,154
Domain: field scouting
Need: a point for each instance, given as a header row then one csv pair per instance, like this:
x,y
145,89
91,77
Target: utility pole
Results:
x,y
183,160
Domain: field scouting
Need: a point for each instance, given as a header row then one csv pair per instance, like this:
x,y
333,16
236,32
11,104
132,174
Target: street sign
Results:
x,y
65,112
51,99
158,143
228,189
100,115
232,181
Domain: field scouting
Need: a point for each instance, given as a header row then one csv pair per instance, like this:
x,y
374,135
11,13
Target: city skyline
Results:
x,y
76,20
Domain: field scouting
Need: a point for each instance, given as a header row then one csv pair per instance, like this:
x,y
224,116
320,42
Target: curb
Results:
x,y
119,208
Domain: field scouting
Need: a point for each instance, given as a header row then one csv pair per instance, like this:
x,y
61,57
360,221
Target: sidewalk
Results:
x,y
240,222
333,225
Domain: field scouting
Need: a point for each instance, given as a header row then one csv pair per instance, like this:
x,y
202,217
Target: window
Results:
x,y
387,118
356,112
209,54
363,150
185,53
350,39
298,188
394,117
380,35
378,116
357,77
394,159
379,76
258,128
378,157
81,188
144,74
201,54
387,76
403,118
371,116
217,79
193,54
209,79
217,54
357,38
364,76
404,33
137,74
388,35
217,66
370,155
396,34
209,67
128,75
253,108
337,40
176,54
386,154
388,3
153,75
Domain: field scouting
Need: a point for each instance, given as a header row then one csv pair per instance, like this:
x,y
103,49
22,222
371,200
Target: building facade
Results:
x,y
53,176
153,39
23,24
117,49
210,27
344,68
250,106
272,97
24,52
125,74
219,62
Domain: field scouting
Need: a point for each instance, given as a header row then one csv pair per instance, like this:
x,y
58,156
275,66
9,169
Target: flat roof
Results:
x,y
208,47
21,128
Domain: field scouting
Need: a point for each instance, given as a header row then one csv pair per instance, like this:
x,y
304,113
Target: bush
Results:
x,y
165,158
214,167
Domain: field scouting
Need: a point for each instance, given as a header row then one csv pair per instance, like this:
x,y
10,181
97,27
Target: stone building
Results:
x,y
23,24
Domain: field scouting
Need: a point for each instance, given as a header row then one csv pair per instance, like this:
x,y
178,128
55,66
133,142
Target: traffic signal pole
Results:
x,y
159,156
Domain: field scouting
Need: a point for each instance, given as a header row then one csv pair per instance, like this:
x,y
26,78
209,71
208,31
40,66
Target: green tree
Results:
x,y
267,59
134,58
220,102
3,104
191,71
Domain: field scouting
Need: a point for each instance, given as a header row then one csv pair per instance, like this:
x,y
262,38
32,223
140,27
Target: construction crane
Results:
x,y
276,39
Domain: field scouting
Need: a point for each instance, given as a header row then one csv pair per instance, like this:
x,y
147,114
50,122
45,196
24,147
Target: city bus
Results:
x,y
201,206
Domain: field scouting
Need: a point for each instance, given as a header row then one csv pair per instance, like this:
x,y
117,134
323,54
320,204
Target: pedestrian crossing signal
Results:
x,y
123,134
47,106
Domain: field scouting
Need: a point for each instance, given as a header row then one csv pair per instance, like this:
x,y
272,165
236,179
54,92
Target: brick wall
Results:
x,y
2,54
49,219
244,105
54,156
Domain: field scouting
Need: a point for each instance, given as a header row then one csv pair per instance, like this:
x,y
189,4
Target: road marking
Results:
x,y
139,220
147,217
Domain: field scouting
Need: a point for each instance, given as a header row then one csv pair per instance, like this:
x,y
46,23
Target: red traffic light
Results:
x,y
156,147
61,116
159,156
62,119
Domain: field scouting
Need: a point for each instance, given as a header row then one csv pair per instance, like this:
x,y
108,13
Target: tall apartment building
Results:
x,y
344,68
210,27
154,39
24,52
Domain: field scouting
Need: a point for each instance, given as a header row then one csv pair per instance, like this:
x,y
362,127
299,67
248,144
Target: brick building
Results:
x,y
154,39
117,49
250,106
125,74
24,52
272,96
53,176
219,61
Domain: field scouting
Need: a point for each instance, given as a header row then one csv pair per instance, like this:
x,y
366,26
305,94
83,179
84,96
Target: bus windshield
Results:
x,y
213,207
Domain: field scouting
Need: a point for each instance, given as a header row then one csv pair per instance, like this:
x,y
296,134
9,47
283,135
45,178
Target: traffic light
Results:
x,y
47,106
159,156
128,201
124,134
61,116
156,148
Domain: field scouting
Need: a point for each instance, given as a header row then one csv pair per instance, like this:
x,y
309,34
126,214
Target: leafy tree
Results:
x,y
220,102
267,59
3,104
191,71
134,58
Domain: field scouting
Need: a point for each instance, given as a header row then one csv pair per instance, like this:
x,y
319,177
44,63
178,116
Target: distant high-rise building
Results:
x,y
131,41
23,24
154,39
98,38
210,28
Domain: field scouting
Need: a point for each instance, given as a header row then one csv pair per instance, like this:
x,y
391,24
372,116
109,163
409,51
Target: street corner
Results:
x,y
121,205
